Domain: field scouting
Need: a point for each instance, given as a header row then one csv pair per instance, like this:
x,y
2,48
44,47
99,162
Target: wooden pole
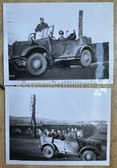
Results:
x,y
80,24
33,119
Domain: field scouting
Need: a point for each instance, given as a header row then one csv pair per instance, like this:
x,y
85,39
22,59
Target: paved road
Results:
x,y
70,72
25,148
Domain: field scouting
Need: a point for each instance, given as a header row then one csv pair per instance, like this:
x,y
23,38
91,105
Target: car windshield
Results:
x,y
47,32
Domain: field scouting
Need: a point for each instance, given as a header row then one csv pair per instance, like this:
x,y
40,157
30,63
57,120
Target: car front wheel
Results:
x,y
48,151
88,155
86,58
36,64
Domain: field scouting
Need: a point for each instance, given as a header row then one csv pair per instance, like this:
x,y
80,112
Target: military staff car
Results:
x,y
86,148
39,52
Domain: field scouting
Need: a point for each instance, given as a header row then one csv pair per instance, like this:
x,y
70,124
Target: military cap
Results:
x,y
61,32
41,18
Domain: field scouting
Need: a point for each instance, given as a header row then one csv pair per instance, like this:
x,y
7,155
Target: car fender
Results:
x,y
89,148
88,47
36,48
51,144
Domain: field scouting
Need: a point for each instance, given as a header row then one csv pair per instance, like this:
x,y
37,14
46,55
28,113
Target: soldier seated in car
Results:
x,y
72,36
41,26
61,35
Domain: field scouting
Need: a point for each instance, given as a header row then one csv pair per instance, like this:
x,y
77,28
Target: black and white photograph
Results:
x,y
57,126
60,43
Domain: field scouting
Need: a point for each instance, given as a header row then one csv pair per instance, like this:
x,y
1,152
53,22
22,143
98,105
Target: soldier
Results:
x,y
63,134
53,133
61,34
72,36
72,129
58,134
79,134
41,26
68,130
38,132
46,132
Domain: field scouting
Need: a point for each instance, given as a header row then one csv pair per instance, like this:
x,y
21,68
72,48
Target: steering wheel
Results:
x,y
53,38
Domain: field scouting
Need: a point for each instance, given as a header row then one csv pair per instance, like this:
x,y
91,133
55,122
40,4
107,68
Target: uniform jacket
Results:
x,y
41,26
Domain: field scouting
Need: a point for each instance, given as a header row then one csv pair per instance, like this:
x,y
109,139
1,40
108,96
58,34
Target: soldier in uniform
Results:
x,y
61,34
41,26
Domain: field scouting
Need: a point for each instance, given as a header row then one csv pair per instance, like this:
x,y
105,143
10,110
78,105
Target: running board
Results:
x,y
65,59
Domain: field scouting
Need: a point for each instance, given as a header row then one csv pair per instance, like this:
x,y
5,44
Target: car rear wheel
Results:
x,y
86,58
88,155
36,64
48,151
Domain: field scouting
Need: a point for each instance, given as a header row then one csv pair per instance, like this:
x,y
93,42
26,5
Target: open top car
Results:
x,y
86,148
44,49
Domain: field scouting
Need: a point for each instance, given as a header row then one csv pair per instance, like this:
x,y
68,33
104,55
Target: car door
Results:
x,y
71,48
58,47
60,145
71,143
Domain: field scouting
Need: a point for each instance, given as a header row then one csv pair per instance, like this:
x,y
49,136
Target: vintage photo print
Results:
x,y
57,126
58,43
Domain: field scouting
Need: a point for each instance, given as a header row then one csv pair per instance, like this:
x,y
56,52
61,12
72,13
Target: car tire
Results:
x,y
36,64
48,151
88,155
86,58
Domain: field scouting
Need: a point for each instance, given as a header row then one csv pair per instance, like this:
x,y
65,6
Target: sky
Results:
x,y
75,104
22,19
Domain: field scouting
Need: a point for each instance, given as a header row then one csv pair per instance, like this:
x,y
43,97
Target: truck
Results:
x,y
36,54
